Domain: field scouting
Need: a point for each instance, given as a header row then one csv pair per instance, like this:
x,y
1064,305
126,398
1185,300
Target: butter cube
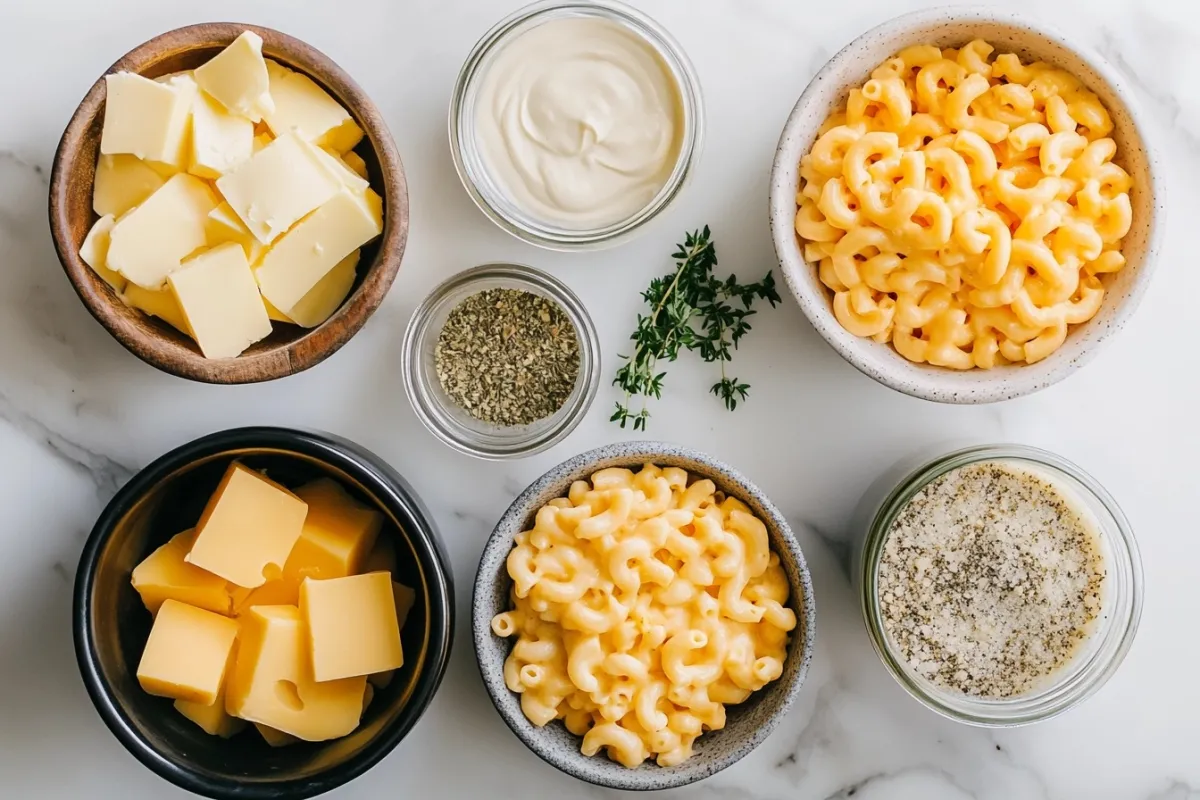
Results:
x,y
220,301
261,140
220,140
161,304
326,297
186,653
305,109
94,252
349,178
340,649
382,557
213,719
122,182
307,252
405,598
145,118
248,528
149,242
277,186
237,78
223,225
275,314
165,575
355,162
273,682
273,737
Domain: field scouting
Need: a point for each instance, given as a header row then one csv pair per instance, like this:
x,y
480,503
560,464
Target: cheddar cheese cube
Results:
x,y
248,528
122,182
186,654
312,248
237,78
273,682
94,252
220,300
352,625
213,719
305,109
145,118
150,241
166,575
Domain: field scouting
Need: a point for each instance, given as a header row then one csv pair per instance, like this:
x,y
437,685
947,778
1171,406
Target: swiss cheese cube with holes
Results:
x,y
352,625
186,654
248,528
273,683
338,534
212,718
166,575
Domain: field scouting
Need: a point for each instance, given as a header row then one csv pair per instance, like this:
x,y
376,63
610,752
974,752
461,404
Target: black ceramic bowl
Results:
x,y
111,624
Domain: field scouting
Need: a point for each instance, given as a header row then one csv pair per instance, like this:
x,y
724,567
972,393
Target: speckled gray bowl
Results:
x,y
748,724
1008,32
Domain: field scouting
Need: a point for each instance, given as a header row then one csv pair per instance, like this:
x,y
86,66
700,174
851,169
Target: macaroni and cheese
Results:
x,y
644,604
965,209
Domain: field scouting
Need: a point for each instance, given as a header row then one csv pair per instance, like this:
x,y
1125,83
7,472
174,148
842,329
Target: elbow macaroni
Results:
x,y
965,210
642,606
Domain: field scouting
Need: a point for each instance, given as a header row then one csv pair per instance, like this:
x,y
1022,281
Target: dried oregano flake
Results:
x,y
508,357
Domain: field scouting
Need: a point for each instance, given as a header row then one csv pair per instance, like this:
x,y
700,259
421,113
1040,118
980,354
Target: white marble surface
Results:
x,y
78,414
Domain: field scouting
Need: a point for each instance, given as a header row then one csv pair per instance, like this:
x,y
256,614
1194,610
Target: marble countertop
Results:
x,y
78,414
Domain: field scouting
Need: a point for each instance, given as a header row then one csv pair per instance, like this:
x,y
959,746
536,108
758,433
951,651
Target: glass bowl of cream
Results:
x,y
573,124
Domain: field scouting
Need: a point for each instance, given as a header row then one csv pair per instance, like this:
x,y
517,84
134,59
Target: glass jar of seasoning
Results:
x,y
636,74
1097,654
501,361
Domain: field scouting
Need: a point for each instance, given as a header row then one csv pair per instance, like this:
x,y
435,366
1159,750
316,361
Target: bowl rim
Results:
x,y
383,481
638,452
926,383
315,344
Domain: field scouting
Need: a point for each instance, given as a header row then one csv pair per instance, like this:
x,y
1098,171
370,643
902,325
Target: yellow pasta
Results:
x,y
964,207
643,604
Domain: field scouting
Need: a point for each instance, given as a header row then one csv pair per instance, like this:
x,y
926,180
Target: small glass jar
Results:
x,y
450,423
1098,656
472,169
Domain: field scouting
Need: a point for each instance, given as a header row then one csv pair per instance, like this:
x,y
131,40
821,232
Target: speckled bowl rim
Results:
x,y
599,770
936,383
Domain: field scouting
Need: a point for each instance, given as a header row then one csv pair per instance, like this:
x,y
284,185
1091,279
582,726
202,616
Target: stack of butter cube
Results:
x,y
277,609
230,196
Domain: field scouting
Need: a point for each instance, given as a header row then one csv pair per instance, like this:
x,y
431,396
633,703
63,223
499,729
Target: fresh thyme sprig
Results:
x,y
691,309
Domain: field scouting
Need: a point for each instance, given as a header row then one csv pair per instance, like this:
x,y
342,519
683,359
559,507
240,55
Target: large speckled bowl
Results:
x,y
1008,32
748,724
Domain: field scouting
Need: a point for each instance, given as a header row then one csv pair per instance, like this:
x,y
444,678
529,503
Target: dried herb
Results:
x,y
692,310
507,357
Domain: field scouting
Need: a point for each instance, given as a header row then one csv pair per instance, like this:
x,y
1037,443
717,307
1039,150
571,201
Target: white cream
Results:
x,y
579,122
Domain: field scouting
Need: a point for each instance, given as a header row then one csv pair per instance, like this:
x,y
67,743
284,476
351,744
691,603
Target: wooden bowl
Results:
x,y
289,349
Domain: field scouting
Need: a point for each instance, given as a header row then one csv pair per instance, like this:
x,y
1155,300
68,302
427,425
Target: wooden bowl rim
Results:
x,y
295,356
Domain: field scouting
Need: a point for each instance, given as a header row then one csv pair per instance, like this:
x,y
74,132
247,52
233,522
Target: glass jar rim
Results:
x,y
1078,681
420,394
473,174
